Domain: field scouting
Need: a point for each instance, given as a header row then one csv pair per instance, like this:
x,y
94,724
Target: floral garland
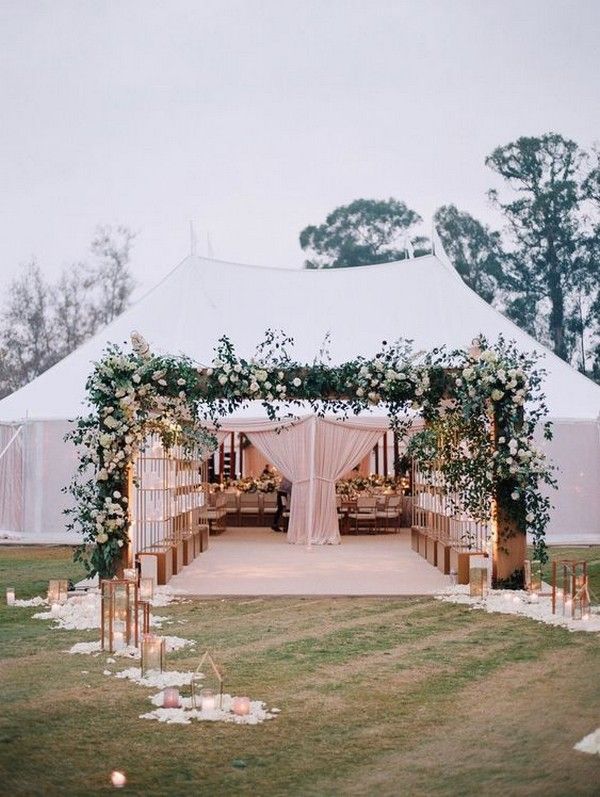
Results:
x,y
373,484
138,393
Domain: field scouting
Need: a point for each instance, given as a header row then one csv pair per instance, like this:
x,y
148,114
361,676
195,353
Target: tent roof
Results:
x,y
422,299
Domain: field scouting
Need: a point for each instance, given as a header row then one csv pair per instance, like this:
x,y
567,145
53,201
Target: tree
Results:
x,y
549,263
42,323
364,232
28,328
113,249
474,249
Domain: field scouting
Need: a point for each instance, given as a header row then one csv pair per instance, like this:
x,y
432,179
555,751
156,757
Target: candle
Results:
x,y
171,697
55,610
207,700
241,706
130,574
10,596
118,779
118,640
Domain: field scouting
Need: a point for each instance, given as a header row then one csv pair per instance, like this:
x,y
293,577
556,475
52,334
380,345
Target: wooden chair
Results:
x,y
365,516
389,514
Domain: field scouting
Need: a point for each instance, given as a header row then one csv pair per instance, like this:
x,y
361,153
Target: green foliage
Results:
x,y
364,232
550,266
475,250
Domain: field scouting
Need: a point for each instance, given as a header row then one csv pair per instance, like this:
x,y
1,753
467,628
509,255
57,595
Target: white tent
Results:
x,y
422,299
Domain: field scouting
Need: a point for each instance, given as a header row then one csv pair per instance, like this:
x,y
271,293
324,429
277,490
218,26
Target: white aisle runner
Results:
x,y
258,561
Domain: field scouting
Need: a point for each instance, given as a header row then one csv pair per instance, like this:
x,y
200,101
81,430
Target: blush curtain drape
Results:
x,y
312,453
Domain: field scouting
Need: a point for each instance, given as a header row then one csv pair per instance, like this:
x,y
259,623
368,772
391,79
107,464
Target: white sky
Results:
x,y
256,118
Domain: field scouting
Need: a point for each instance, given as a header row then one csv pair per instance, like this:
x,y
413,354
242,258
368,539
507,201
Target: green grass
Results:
x,y
378,697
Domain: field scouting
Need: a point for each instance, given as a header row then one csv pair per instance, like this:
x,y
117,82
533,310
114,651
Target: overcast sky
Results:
x,y
256,118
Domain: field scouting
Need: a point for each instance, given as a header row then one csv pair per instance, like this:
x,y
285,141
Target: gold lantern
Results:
x,y
201,699
144,617
532,570
57,590
119,614
573,576
478,580
153,654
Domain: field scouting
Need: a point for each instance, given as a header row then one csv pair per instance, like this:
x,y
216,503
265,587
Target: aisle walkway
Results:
x,y
258,561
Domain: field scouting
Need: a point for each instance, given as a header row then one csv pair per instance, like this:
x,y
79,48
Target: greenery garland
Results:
x,y
133,394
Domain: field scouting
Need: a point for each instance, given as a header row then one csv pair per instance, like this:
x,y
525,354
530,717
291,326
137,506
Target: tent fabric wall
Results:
x,y
11,477
575,451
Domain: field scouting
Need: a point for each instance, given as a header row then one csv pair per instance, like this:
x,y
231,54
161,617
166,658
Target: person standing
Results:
x,y
284,495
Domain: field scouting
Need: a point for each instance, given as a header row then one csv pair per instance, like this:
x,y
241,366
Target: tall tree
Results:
x,y
112,248
474,249
545,217
365,231
41,323
28,327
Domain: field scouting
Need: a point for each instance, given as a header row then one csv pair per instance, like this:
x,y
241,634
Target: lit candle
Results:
x,y
207,700
118,779
10,596
55,609
241,706
171,697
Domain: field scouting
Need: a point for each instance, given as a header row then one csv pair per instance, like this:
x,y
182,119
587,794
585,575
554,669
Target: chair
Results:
x,y
232,507
249,509
365,516
269,507
389,514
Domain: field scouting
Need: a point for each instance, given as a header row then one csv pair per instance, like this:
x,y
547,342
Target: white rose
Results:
x,y
529,517
360,391
253,387
102,475
111,422
137,378
223,379
468,373
102,537
116,494
514,495
105,440
497,394
181,381
297,382
237,368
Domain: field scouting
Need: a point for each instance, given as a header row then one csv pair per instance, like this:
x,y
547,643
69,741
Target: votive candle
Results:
x,y
171,697
241,706
207,700
10,596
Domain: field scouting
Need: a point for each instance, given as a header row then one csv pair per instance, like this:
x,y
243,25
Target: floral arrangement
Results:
x,y
482,408
262,484
373,484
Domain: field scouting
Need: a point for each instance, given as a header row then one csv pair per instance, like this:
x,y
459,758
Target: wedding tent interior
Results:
x,y
350,311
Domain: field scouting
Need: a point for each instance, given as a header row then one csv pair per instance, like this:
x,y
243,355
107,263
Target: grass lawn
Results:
x,y
378,696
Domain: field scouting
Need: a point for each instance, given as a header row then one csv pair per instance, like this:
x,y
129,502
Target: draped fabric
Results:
x,y
339,447
313,453
289,449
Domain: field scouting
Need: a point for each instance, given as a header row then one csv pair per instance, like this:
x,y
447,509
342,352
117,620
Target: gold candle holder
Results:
x,y
57,590
143,617
533,575
572,575
119,614
153,654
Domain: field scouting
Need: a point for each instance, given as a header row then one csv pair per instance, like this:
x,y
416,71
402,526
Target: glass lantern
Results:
x,y
153,654
119,614
57,590
146,589
533,575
